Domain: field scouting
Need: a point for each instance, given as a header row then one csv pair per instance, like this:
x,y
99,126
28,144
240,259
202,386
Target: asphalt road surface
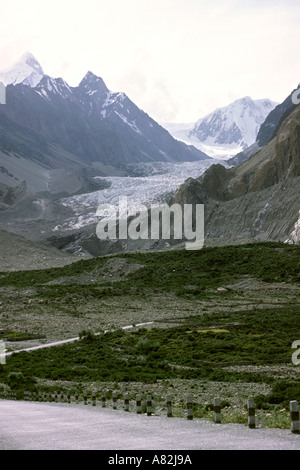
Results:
x,y
61,426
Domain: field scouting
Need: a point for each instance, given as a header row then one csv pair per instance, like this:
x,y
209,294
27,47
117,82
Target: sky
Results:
x,y
178,60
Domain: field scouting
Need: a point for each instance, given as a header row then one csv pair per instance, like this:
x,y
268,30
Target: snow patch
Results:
x,y
130,124
295,235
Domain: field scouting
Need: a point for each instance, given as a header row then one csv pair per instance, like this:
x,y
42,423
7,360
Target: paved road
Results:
x,y
54,426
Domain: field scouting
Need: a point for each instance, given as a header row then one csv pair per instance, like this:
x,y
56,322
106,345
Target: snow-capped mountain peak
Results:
x,y
228,130
26,70
31,61
237,123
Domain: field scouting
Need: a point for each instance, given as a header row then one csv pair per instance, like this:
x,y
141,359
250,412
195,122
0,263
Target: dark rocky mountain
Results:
x,y
60,126
256,200
57,138
274,119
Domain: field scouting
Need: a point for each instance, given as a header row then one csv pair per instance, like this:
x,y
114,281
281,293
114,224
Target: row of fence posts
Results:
x,y
294,407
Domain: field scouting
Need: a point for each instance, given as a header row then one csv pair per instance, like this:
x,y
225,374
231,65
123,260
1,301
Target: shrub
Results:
x,y
87,335
17,381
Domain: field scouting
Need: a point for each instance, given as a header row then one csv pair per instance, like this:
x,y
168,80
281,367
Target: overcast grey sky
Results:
x,y
176,59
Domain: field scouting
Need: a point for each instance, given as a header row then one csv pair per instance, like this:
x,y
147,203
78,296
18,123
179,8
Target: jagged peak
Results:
x,y
52,85
50,80
30,60
90,80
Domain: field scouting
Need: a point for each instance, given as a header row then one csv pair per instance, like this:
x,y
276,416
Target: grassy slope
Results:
x,y
198,349
173,270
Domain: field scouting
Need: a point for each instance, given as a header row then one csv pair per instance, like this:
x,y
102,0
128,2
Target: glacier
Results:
x,y
160,181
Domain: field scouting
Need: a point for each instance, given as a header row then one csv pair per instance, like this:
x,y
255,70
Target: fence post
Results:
x,y
103,400
294,409
85,398
114,397
169,407
189,405
138,404
94,398
76,397
251,413
69,398
217,410
149,405
126,402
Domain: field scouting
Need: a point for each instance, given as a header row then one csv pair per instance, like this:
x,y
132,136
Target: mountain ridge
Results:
x,y
227,130
91,122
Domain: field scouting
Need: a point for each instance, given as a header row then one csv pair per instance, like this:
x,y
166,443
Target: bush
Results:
x,y
281,394
87,335
17,381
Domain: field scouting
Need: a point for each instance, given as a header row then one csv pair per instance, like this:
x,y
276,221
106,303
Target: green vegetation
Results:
x,y
258,337
208,346
172,271
19,336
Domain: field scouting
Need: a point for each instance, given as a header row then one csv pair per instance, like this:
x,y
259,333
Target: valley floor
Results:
x,y
59,306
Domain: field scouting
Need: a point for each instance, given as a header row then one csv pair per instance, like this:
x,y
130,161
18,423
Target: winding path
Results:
x,y
70,340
